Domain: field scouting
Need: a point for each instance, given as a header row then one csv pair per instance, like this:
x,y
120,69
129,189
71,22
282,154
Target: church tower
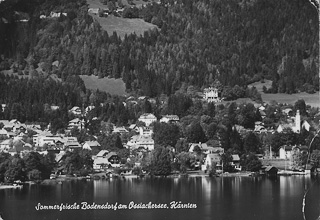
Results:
x,y
298,122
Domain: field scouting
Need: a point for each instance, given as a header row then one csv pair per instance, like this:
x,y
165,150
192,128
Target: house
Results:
x,y
33,127
76,111
57,14
94,11
236,161
260,129
134,127
10,125
169,118
210,160
102,153
17,128
88,109
103,162
285,152
145,131
54,107
305,125
72,145
120,130
147,118
270,170
205,148
4,134
212,95
91,145
76,123
6,145
141,141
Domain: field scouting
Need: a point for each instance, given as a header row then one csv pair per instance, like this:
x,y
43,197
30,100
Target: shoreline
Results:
x,y
11,186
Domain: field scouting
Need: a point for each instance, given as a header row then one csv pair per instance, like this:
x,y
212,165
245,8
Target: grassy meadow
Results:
x,y
121,26
109,85
311,99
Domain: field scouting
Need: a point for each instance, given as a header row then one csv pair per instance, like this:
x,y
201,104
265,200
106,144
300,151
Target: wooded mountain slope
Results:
x,y
236,42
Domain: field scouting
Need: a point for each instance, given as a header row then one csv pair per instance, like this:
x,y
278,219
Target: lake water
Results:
x,y
204,198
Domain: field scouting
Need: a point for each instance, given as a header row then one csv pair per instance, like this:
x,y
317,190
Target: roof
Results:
x,y
3,132
75,108
119,130
147,116
111,154
92,143
235,157
6,142
171,117
102,153
269,168
287,110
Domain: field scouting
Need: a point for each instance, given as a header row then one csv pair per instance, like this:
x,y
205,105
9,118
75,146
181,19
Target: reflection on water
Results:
x,y
216,198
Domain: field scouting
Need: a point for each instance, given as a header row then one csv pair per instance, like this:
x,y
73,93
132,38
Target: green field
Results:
x,y
311,99
109,85
121,26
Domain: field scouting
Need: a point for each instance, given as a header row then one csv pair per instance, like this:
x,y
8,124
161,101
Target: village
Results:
x,y
200,158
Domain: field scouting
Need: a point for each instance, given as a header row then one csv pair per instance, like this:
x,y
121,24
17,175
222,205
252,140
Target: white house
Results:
x,y
210,160
108,159
77,122
169,118
145,131
6,145
120,130
94,11
4,133
212,95
76,111
206,149
57,14
141,141
90,145
285,152
147,118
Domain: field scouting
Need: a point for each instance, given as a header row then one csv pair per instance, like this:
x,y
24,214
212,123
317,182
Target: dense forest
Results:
x,y
196,43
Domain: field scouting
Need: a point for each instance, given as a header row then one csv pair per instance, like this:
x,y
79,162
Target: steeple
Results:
x,y
298,122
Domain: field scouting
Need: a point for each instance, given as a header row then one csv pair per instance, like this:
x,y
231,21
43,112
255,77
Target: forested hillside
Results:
x,y
236,42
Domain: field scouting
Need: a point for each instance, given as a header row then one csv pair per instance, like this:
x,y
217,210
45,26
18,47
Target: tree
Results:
x,y
226,159
250,162
182,145
247,116
184,161
15,171
252,143
195,133
299,159
78,162
315,158
166,134
301,106
160,162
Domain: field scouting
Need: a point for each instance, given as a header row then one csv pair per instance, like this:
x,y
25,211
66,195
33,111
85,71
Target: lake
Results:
x,y
194,198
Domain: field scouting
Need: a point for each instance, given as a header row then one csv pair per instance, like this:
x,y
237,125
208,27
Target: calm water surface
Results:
x,y
216,198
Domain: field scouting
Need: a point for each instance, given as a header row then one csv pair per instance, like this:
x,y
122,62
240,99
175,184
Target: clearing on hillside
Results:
x,y
121,26
311,99
109,85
